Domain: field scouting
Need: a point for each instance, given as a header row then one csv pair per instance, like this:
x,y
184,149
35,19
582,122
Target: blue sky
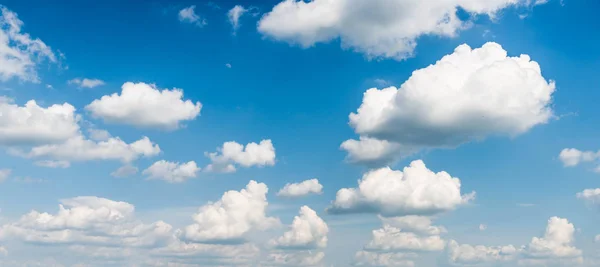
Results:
x,y
180,74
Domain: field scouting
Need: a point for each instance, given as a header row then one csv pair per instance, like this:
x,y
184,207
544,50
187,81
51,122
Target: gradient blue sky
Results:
x,y
300,98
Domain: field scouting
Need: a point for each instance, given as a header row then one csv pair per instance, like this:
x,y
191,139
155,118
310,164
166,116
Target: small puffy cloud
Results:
x,y
88,220
233,153
464,254
53,164
592,196
234,15
379,28
20,54
31,124
232,217
158,109
414,191
557,242
81,149
172,172
86,83
188,15
482,227
572,157
308,231
228,65
4,174
124,171
303,188
396,259
466,96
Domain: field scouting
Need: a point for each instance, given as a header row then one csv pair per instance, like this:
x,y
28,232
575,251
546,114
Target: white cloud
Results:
x,y
232,217
308,231
88,220
592,196
572,157
86,83
19,52
417,224
4,174
31,124
125,171
300,258
99,135
303,188
53,164
144,105
390,238
415,190
81,149
482,227
377,28
556,243
253,154
466,96
597,239
370,258
234,15
228,65
172,172
188,15
465,254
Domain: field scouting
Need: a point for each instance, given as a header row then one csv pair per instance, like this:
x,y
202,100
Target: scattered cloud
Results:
x,y
172,172
303,188
164,109
228,65
124,171
378,29
53,164
591,196
492,94
571,157
234,15
86,83
415,190
482,227
233,153
20,54
4,174
188,15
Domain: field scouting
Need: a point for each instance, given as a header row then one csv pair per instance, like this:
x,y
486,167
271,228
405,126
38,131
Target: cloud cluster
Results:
x,y
19,52
376,28
466,96
414,190
303,188
172,172
233,153
144,105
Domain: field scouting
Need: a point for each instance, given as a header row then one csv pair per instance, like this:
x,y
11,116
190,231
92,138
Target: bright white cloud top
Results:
x,y
144,105
415,190
303,188
308,231
466,96
32,124
172,172
232,217
20,54
232,153
377,28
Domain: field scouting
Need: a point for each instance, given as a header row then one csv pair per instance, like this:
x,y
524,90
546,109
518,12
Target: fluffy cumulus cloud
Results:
x,y
391,238
464,254
232,217
20,54
32,124
172,172
233,153
413,191
81,149
188,15
377,28
86,82
303,188
592,196
308,231
554,248
466,96
144,105
572,157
